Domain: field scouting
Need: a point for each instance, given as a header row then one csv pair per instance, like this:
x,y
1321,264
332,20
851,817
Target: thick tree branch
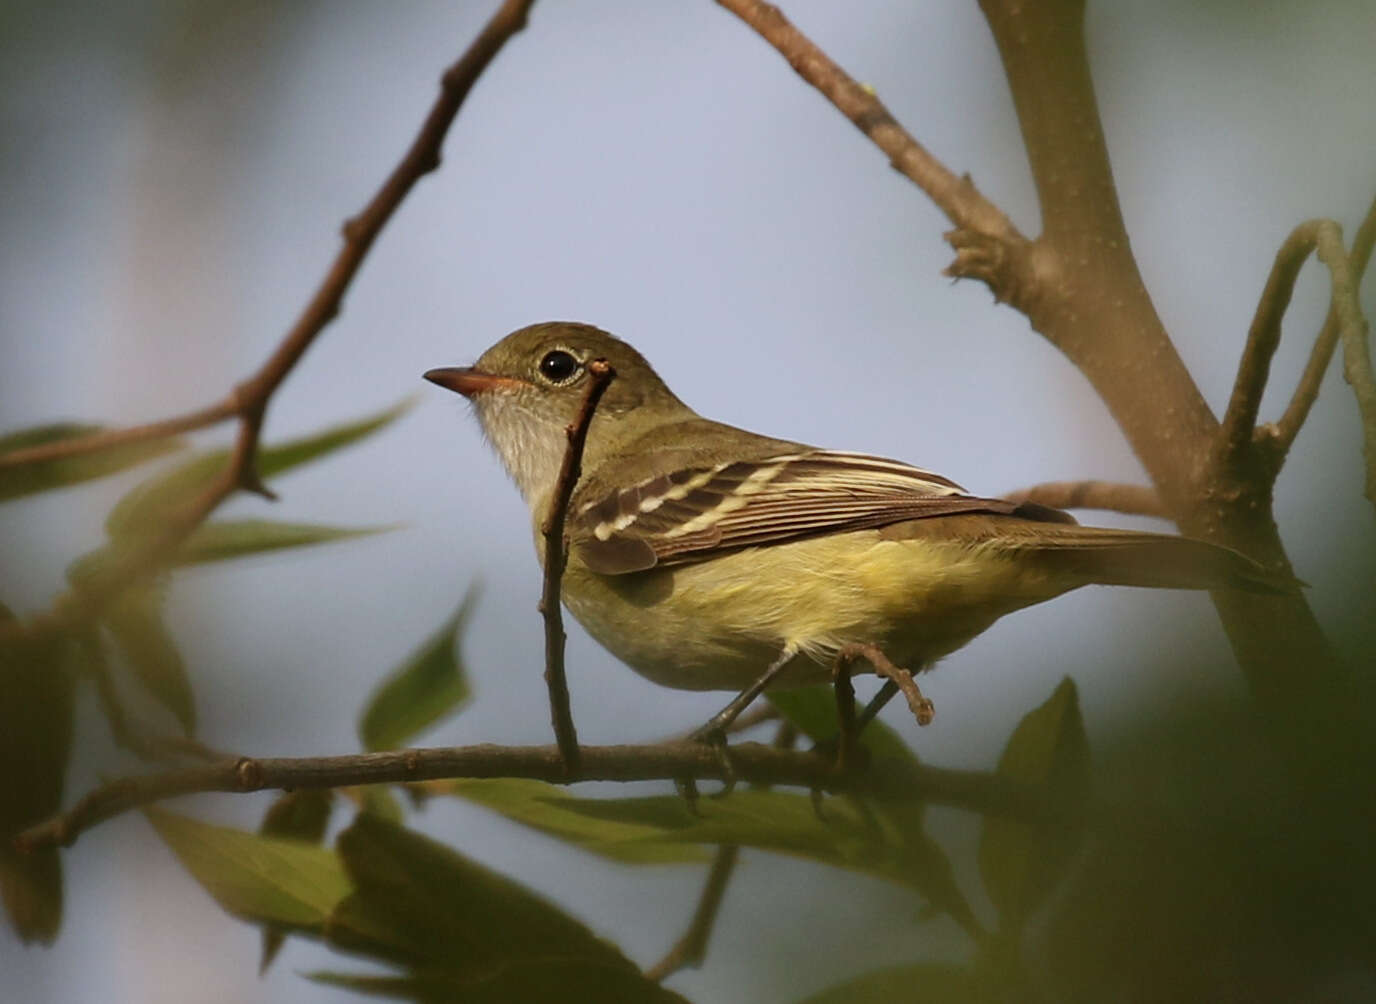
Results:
x,y
1135,500
753,762
249,400
600,375
1283,434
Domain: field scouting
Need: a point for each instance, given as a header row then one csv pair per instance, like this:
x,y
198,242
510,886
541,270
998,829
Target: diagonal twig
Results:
x,y
600,375
1135,500
249,399
955,195
690,949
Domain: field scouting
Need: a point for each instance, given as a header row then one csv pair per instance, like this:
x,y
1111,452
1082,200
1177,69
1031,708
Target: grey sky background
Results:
x,y
172,182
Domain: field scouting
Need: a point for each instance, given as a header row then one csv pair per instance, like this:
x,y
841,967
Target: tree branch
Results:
x,y
94,443
1135,500
249,400
1283,433
600,375
754,762
977,220
1235,433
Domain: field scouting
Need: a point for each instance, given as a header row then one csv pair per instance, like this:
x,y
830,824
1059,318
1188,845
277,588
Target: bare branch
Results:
x,y
1135,500
249,400
1283,434
600,375
94,443
954,195
754,762
1235,434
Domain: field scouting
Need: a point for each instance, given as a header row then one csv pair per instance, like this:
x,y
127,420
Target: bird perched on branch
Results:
x,y
711,558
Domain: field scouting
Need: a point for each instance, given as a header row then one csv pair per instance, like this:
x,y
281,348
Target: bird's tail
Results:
x,y
1134,558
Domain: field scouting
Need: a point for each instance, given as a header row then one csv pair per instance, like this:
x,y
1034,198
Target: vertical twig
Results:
x,y
600,375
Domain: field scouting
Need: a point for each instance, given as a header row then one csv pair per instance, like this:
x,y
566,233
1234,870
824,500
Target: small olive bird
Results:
x,y
711,558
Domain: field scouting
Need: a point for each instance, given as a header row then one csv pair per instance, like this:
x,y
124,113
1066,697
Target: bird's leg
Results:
x,y
895,679
713,731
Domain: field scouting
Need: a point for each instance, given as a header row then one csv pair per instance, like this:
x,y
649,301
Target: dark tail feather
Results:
x,y
1128,558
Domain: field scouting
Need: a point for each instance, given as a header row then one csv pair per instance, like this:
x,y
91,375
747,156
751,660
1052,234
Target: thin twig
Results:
x,y
690,949
955,195
1135,500
1283,433
1235,432
249,399
753,762
97,441
600,375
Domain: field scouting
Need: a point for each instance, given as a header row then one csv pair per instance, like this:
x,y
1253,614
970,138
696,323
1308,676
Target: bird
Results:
x,y
707,557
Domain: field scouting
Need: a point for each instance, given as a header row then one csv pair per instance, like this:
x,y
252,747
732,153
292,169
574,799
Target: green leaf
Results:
x,y
36,714
549,809
379,800
850,835
450,919
300,815
555,980
427,686
927,982
222,540
135,622
148,505
285,882
44,475
1021,862
813,711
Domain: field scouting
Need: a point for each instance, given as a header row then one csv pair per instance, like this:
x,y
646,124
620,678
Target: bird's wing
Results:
x,y
696,513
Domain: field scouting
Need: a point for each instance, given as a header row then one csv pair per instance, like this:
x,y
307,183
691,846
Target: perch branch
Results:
x,y
754,762
249,399
1135,500
600,375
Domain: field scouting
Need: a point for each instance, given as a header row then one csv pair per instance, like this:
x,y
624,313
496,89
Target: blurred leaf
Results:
x,y
549,809
1021,862
459,925
849,835
43,475
298,815
813,711
222,540
36,711
135,622
379,800
555,980
275,880
925,982
147,506
429,685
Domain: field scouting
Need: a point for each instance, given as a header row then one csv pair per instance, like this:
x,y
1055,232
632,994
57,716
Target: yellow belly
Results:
x,y
716,625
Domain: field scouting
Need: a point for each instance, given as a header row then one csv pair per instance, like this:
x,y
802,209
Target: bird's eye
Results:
x,y
558,366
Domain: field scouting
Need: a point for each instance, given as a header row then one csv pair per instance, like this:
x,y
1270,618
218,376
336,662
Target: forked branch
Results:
x,y
249,400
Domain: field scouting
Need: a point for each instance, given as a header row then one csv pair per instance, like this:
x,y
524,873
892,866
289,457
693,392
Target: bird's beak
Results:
x,y
466,380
